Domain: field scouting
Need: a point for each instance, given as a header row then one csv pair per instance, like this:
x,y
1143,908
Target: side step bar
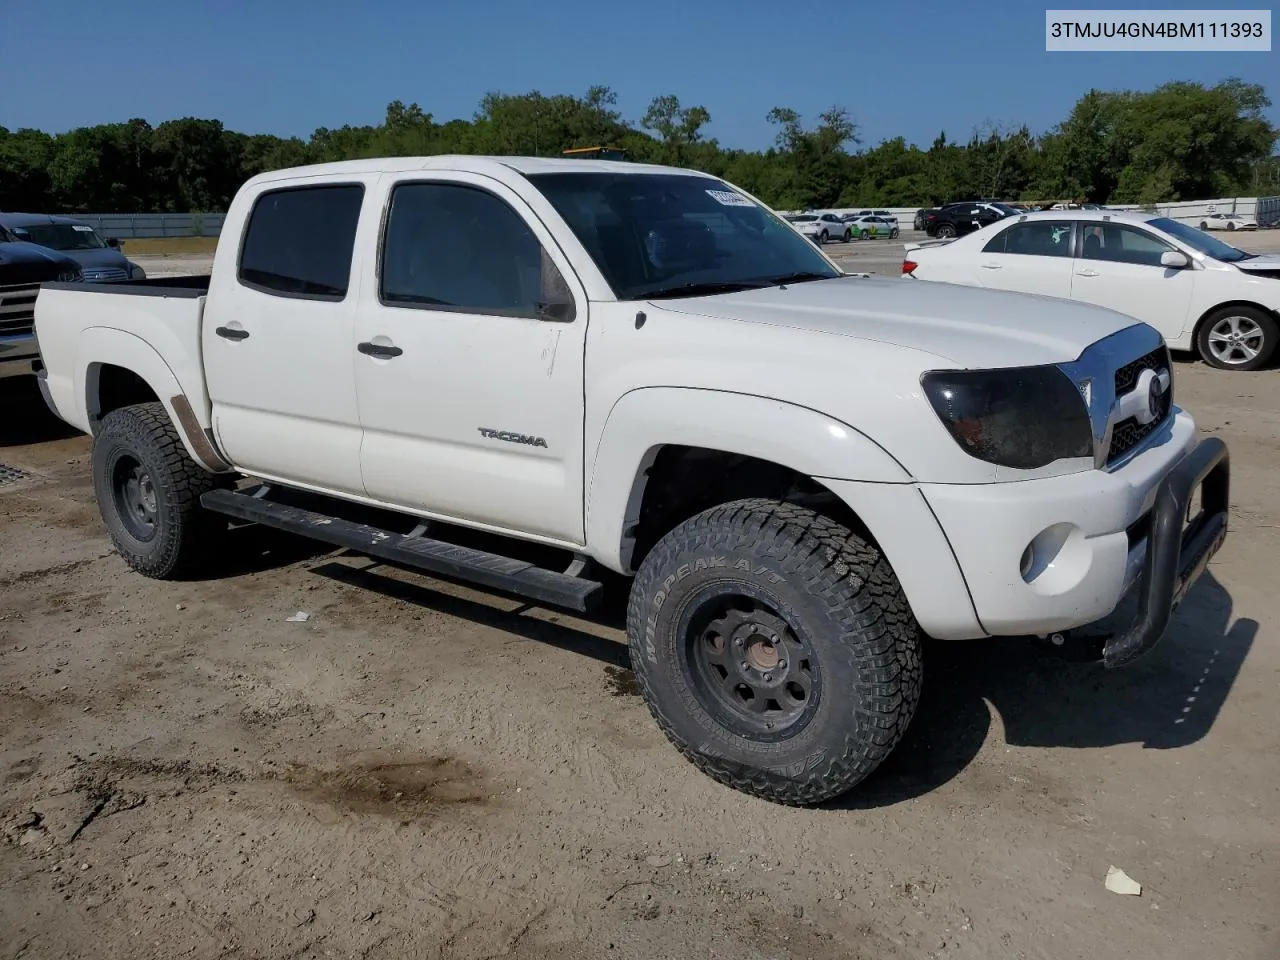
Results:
x,y
414,550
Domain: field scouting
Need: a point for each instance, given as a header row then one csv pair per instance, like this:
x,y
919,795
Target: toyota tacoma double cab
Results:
x,y
542,375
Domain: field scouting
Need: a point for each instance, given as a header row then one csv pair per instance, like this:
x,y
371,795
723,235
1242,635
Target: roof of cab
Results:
x,y
467,163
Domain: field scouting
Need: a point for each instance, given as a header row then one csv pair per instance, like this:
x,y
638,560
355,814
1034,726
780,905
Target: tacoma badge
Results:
x,y
510,437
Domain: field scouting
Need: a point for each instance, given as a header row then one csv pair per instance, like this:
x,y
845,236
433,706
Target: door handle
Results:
x,y
378,350
231,333
1086,273
991,266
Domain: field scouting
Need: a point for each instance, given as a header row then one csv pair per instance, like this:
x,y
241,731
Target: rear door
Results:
x,y
278,336
1118,267
1029,256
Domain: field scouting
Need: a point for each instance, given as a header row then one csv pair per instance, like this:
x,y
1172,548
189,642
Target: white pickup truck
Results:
x,y
649,372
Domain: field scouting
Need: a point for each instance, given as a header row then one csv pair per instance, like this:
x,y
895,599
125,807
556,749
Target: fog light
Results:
x,y
1056,560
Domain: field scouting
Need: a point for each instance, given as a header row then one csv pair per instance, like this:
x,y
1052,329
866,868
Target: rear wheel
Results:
x,y
148,491
863,234
893,234
775,649
1204,225
946,230
1238,338
1230,225
823,237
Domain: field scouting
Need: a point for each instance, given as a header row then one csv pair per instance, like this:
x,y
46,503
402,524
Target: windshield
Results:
x,y
61,236
661,234
1198,239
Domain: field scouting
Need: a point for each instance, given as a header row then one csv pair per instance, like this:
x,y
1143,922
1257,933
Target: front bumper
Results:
x,y
1176,556
1050,555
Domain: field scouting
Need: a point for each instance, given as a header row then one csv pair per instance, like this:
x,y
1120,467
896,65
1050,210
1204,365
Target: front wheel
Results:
x,y
1230,226
1204,225
823,237
775,649
148,491
1238,338
893,234
848,235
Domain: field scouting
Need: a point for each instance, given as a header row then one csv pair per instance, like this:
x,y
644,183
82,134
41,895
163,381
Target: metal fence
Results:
x,y
140,226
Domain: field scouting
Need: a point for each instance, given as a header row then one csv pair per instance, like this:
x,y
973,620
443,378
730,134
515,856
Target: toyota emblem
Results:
x,y
1155,394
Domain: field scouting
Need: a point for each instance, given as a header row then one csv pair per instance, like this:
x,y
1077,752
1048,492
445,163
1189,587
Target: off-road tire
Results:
x,y
839,596
184,533
1265,325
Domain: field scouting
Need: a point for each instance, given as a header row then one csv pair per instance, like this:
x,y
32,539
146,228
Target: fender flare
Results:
x,y
101,346
645,420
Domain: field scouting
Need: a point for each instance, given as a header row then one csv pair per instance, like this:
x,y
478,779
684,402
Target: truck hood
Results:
x,y
22,262
967,326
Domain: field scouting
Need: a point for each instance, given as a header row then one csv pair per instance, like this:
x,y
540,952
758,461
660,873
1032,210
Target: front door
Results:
x,y
470,388
1119,268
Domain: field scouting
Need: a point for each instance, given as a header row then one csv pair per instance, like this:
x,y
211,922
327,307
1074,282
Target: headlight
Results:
x,y
1021,417
70,276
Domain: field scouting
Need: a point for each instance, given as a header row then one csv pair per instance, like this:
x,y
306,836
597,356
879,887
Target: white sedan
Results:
x,y
1228,221
1203,295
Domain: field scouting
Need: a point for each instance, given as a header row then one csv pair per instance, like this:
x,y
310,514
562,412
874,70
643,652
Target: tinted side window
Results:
x,y
299,241
456,247
1035,238
1121,244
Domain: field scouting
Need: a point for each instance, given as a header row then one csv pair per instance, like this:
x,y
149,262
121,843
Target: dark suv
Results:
x,y
957,219
23,267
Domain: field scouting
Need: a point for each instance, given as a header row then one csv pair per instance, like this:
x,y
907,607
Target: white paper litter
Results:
x,y
299,617
1120,882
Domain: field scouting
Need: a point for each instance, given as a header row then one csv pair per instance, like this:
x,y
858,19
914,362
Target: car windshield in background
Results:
x,y
802,218
1192,237
670,235
61,236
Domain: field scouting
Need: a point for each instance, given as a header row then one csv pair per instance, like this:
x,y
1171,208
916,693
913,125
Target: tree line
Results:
x,y
1180,141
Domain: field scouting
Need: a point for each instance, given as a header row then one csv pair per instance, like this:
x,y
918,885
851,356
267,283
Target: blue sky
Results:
x,y
288,66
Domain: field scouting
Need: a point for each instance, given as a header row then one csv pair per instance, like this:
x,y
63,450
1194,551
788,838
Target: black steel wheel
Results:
x,y
775,649
148,490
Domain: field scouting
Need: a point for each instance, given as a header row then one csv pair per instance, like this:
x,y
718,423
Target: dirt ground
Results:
x,y
422,770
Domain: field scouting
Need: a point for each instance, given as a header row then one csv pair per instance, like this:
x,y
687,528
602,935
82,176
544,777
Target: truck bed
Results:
x,y
150,327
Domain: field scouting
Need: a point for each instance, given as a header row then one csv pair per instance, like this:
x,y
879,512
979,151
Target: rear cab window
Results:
x,y
299,241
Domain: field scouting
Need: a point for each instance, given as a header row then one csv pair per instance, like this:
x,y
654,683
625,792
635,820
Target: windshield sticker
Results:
x,y
728,198
79,228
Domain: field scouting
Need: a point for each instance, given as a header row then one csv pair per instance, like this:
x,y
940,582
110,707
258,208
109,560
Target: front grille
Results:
x,y
18,309
1129,434
105,274
1128,375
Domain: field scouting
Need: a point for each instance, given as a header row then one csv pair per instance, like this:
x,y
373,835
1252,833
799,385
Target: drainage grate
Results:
x,y
10,474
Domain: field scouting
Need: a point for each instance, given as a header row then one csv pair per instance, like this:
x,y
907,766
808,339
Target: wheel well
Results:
x,y
115,387
684,481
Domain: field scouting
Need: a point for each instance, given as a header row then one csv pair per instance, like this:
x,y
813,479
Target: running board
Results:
x,y
414,550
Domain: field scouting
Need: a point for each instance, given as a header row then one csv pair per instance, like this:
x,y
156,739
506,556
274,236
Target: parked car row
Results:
x,y
1202,294
824,226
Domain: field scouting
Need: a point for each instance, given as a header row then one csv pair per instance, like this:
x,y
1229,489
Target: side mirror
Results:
x,y
1174,259
113,243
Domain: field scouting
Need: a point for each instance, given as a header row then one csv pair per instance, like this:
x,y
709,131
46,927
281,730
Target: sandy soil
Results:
x,y
421,770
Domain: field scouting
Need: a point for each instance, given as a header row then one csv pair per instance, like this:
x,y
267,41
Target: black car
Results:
x,y
957,219
23,267
922,217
